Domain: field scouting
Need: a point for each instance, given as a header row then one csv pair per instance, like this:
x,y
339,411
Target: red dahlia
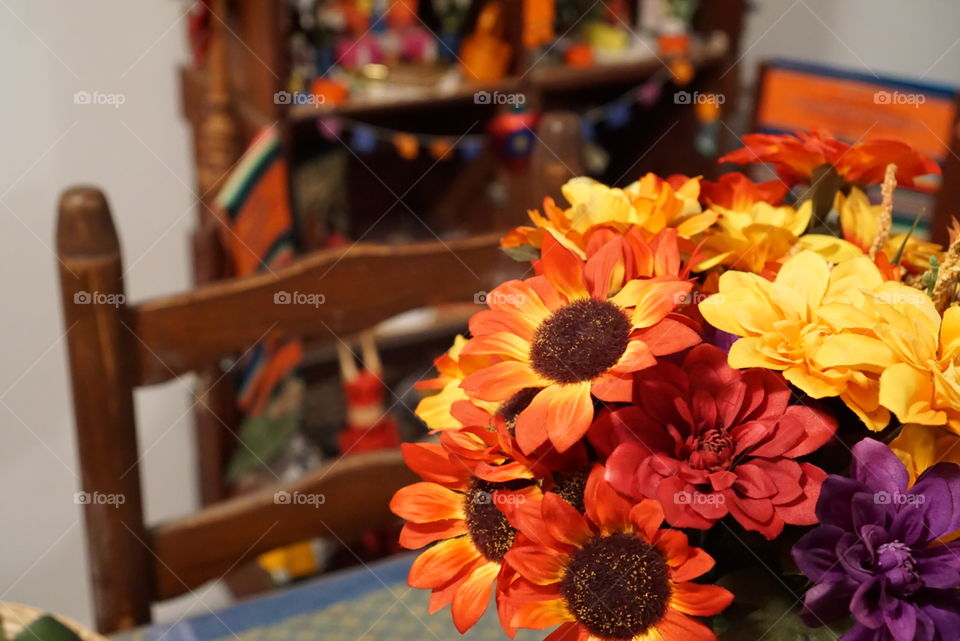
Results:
x,y
707,440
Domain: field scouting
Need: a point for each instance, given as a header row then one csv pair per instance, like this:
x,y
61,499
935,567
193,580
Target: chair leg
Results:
x,y
102,373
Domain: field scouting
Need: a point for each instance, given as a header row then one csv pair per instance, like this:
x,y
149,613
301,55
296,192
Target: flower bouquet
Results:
x,y
709,412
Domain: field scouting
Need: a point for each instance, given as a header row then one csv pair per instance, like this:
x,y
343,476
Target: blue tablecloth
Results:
x,y
371,603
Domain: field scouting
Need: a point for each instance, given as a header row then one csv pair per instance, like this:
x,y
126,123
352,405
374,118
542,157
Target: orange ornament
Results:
x,y
407,146
441,149
579,55
329,92
484,55
682,71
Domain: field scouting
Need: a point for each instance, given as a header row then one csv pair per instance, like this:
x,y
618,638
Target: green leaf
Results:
x,y
46,628
523,253
767,607
824,185
261,439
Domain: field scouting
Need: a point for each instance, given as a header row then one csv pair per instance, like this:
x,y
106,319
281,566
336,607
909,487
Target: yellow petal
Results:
x,y
908,393
855,351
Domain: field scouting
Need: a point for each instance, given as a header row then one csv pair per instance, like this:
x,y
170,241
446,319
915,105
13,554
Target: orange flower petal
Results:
x,y
567,632
537,563
614,388
652,298
431,462
697,564
426,502
471,598
701,600
647,515
507,345
562,268
605,506
563,522
500,381
675,626
636,357
674,546
441,563
566,410
416,535
537,615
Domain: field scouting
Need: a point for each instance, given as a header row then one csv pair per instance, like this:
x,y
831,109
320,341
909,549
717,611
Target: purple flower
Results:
x,y
875,555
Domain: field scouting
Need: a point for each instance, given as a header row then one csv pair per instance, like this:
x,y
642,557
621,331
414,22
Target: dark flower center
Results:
x,y
617,586
896,563
512,407
580,341
489,529
570,486
710,450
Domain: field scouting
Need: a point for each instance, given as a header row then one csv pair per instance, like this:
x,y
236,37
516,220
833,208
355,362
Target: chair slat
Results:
x,y
209,543
341,291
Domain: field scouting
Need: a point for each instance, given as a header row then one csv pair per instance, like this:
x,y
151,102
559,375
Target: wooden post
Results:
x,y
102,374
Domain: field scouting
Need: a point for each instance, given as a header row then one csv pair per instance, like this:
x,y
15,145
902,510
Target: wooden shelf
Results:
x,y
540,80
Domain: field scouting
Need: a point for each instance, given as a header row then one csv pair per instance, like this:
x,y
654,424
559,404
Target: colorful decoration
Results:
x,y
406,145
512,135
538,19
689,364
484,54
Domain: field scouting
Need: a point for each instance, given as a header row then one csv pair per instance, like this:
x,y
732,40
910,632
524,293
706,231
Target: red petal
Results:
x,y
669,336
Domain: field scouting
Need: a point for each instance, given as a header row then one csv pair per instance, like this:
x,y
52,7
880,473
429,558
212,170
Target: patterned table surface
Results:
x,y
371,603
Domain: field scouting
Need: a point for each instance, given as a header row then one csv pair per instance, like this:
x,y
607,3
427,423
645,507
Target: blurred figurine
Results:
x,y
369,425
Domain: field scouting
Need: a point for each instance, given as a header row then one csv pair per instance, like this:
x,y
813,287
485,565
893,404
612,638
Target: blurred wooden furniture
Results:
x,y
115,347
232,96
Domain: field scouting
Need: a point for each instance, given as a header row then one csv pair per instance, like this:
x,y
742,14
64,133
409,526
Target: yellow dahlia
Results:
x,y
808,323
651,204
860,224
752,239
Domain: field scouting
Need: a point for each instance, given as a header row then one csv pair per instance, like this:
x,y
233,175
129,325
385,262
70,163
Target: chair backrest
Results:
x,y
115,346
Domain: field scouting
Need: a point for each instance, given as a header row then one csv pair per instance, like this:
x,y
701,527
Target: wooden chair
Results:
x,y
115,347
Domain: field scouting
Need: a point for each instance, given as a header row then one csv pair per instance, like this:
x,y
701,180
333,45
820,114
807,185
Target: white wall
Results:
x,y
139,153
910,38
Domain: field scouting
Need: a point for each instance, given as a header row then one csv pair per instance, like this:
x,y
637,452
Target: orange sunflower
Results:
x,y
575,332
463,514
608,575
796,156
